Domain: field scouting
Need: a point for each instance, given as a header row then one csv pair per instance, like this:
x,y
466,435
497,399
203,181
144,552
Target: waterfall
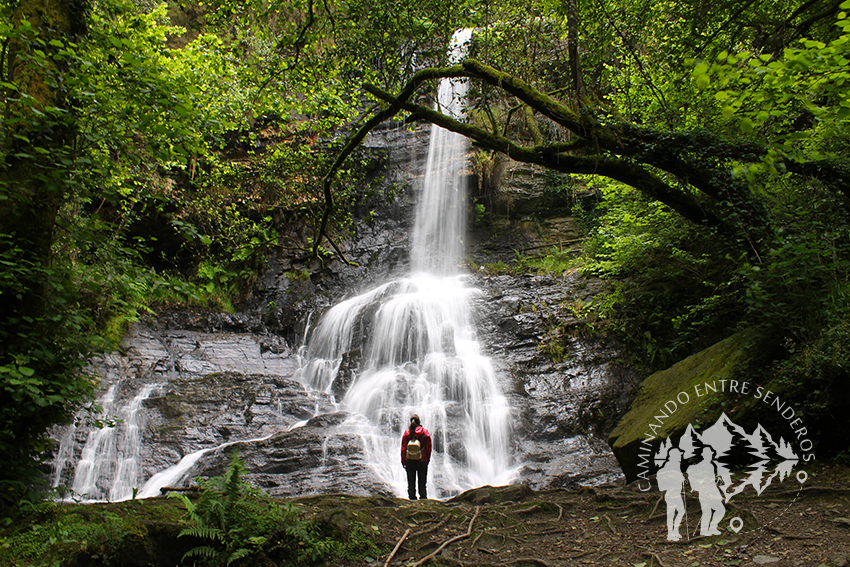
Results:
x,y
407,346
108,465
413,343
441,214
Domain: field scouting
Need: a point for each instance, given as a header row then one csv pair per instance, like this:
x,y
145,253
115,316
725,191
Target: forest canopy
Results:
x,y
156,152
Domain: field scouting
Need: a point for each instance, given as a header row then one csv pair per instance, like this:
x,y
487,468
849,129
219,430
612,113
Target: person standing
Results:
x,y
415,456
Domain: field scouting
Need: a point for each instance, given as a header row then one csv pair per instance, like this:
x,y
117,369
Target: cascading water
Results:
x,y
108,466
415,341
440,226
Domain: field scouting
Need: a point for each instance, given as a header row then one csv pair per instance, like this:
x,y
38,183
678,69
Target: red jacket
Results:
x,y
424,438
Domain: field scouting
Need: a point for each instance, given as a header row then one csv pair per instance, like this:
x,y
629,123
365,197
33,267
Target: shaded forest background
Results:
x,y
154,153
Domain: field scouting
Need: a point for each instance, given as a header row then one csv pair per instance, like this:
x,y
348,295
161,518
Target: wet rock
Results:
x,y
564,409
346,373
522,188
323,456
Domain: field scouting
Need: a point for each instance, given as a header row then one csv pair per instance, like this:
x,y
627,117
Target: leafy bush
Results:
x,y
678,288
671,280
237,523
815,370
42,353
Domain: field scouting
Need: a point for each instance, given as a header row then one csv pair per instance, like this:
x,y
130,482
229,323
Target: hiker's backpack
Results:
x,y
414,449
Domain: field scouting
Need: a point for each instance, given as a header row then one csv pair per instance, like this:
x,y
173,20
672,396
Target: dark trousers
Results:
x,y
415,468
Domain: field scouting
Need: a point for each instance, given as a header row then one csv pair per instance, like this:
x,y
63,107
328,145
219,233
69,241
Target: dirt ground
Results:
x,y
788,524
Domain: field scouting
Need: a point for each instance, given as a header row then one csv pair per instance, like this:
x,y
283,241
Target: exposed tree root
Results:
x,y
449,541
654,557
518,561
396,548
435,527
654,508
812,490
546,532
611,525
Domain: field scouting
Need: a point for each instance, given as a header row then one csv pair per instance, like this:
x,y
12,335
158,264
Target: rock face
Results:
x,y
292,289
238,388
200,390
522,188
318,457
562,408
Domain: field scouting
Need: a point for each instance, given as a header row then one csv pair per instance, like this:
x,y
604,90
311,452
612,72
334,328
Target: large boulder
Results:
x,y
694,391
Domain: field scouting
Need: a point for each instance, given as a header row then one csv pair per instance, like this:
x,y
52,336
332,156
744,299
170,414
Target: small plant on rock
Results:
x,y
235,523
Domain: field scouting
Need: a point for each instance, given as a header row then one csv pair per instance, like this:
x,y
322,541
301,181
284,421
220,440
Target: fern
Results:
x,y
233,521
191,509
204,551
202,532
237,555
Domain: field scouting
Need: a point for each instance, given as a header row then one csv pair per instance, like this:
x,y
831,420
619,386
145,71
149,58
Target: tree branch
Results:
x,y
620,169
385,114
637,156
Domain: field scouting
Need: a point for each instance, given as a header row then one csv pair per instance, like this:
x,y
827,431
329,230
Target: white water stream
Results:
x,y
108,466
419,353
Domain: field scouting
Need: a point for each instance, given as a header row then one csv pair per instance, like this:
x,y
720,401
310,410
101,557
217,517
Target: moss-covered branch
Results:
x,y
357,138
624,170
664,165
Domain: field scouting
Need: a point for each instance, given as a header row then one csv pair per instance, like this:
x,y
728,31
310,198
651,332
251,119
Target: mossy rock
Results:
x,y
669,400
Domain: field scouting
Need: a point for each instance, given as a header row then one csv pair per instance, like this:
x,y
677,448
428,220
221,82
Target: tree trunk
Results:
x,y
37,133
572,47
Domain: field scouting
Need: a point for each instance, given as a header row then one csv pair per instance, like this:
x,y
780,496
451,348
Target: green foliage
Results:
x,y
815,371
237,522
230,517
229,522
479,214
555,261
669,278
797,100
49,534
303,275
678,289
41,358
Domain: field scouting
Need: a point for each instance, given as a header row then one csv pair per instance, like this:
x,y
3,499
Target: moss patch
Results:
x,y
668,399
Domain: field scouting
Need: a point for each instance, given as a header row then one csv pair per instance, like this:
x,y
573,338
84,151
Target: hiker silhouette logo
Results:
x,y
699,463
